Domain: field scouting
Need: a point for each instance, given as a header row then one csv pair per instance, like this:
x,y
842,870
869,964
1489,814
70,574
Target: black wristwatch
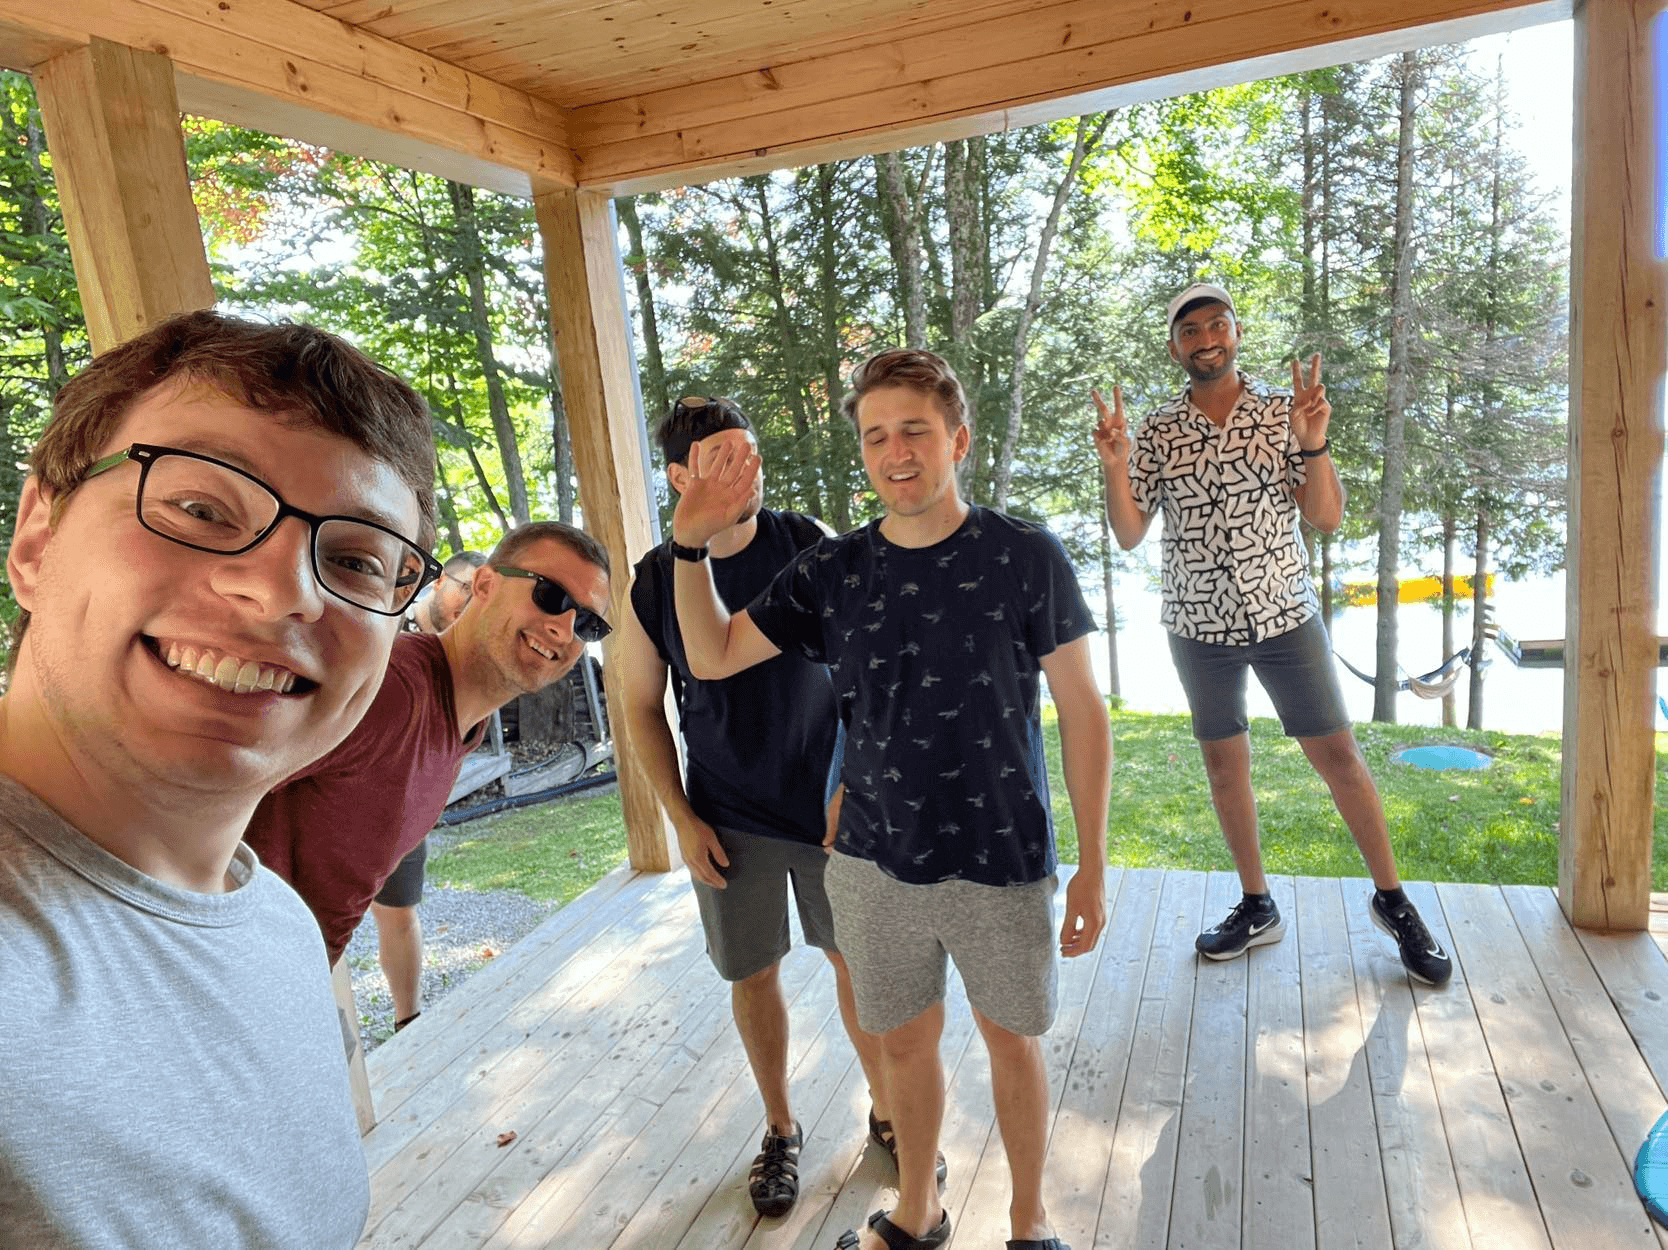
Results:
x,y
679,552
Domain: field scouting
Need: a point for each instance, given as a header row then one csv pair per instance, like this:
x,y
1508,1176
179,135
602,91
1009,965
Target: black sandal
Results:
x,y
773,1184
881,1134
895,1237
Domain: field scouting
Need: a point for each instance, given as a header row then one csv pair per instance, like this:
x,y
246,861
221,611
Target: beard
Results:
x,y
1202,373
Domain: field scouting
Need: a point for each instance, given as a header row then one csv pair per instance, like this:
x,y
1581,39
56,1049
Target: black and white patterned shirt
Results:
x,y
1235,569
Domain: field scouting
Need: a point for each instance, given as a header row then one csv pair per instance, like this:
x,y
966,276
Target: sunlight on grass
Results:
x,y
1495,825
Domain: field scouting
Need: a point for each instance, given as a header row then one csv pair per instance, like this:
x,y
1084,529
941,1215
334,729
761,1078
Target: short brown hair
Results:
x,y
524,536
295,373
914,369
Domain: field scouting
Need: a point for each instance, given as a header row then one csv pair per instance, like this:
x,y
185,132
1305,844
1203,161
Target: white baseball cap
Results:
x,y
1198,291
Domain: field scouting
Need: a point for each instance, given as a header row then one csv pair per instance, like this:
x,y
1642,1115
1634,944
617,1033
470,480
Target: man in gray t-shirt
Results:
x,y
221,529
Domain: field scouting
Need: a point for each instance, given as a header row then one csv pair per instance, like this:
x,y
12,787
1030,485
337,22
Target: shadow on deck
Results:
x,y
1306,1096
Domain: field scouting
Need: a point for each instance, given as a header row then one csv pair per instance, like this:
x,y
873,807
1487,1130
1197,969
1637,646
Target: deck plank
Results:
x,y
1582,1184
1420,1185
1279,1206
1621,1081
1305,1096
1135,1208
1210,1152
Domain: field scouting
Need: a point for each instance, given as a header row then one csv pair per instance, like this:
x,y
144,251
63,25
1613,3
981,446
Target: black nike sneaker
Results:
x,y
1422,955
1252,922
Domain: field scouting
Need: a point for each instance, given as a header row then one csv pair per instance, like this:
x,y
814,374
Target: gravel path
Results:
x,y
462,929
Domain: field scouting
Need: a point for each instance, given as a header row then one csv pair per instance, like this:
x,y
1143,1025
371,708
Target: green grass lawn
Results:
x,y
1496,825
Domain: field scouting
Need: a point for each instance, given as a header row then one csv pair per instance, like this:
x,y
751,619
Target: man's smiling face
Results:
x,y
161,665
1205,341
529,647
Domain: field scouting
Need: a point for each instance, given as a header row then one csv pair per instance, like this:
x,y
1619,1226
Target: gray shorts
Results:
x,y
1295,668
747,921
895,937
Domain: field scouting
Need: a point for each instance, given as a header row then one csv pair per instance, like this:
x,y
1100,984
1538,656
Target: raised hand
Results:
x,y
1112,431
1311,412
717,493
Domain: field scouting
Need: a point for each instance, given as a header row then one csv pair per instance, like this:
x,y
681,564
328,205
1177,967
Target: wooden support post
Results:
x,y
593,349
347,1015
113,128
1618,335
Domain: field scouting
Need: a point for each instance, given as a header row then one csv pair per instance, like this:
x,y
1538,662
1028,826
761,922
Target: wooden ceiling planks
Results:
x,y
1077,50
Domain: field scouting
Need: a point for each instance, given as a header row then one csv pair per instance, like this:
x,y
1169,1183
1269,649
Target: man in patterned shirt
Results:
x,y
1233,463
936,622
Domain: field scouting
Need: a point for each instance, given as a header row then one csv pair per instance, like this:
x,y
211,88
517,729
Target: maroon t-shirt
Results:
x,y
338,828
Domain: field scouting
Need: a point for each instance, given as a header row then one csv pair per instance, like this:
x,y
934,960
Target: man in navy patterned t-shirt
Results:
x,y
1233,463
935,622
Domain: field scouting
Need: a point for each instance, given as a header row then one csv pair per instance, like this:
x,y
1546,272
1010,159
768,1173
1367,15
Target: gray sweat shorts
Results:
x,y
747,921
895,938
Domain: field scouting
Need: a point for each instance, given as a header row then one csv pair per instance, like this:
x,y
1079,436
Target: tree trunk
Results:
x,y
1326,581
1083,145
1112,686
828,449
803,443
1479,620
473,263
969,258
561,450
1450,530
455,407
1394,480
448,508
659,399
903,238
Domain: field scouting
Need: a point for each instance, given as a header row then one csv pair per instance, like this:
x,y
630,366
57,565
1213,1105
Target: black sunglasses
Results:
x,y
554,598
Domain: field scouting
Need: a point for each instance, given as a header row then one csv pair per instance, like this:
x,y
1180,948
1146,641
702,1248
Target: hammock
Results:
x,y
1432,685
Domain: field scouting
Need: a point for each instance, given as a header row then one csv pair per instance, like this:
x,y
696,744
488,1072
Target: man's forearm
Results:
x,y
702,618
1086,760
1321,499
657,755
1129,523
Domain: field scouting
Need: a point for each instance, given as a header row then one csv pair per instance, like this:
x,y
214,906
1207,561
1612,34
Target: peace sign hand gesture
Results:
x,y
1112,431
1311,413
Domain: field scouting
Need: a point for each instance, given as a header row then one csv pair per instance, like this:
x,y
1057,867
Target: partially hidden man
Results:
x,y
749,819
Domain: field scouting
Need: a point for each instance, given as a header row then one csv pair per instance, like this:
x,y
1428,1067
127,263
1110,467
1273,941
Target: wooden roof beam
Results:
x,y
998,73
279,67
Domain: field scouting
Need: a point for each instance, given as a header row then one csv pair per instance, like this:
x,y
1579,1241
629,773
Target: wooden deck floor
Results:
x,y
1303,1097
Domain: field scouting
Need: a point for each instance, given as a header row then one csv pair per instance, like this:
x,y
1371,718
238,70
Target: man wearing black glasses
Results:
x,y
222,526
338,828
749,816
444,602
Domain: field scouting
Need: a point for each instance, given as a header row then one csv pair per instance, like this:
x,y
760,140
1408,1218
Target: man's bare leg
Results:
x,y
867,1045
762,1020
1337,758
1019,1086
1228,768
914,1077
399,949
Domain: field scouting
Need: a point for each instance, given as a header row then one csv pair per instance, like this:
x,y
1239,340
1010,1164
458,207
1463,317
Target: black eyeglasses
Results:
x,y
554,598
209,505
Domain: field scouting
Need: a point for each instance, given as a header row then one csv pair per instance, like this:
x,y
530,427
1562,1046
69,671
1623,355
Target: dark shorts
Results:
x,y
404,887
1295,668
747,921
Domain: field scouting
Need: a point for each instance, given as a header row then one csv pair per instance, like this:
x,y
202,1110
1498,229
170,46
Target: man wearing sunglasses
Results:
x,y
444,601
749,815
222,526
338,828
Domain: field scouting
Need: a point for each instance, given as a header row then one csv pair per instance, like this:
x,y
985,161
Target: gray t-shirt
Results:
x,y
172,1071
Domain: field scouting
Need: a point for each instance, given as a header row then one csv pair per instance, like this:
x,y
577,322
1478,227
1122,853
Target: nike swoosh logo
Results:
x,y
1258,928
1438,952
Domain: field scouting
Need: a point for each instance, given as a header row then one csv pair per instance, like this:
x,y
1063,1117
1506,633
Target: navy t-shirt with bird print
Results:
x,y
935,654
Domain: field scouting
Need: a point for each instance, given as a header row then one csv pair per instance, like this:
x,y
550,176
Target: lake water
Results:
x,y
1514,700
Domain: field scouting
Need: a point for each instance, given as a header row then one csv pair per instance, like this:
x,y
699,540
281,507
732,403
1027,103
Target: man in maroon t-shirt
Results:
x,y
338,828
